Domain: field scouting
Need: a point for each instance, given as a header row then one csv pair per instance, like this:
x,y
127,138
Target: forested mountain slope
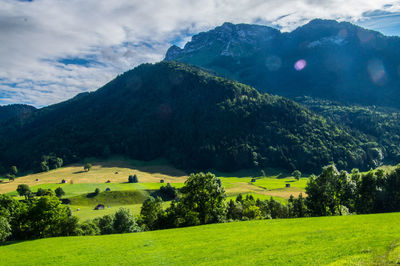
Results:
x,y
192,118
15,111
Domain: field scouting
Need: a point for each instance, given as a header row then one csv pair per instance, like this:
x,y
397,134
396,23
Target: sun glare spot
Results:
x,y
300,64
377,72
273,63
342,34
364,36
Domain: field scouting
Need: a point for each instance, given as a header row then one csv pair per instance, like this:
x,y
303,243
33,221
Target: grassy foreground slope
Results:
x,y
325,240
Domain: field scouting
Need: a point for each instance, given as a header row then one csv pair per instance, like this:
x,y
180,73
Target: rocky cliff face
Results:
x,y
226,40
324,58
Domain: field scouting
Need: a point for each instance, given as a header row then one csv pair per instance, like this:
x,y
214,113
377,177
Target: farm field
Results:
x,y
340,240
116,170
88,213
123,194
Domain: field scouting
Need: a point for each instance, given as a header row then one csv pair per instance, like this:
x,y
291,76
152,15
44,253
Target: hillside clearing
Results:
x,y
115,170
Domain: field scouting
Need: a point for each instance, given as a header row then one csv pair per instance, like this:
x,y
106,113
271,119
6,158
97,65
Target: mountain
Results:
x,y
14,111
324,59
194,119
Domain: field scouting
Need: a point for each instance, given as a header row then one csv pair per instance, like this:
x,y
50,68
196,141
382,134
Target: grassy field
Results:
x,y
111,198
116,170
343,240
78,189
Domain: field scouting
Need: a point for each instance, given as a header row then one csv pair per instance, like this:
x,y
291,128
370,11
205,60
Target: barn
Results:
x,y
99,207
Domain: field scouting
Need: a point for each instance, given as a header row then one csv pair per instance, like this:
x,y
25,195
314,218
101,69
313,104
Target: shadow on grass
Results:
x,y
254,173
159,165
79,172
91,195
8,243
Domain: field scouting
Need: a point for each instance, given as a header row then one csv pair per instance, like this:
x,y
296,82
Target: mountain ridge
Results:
x,y
339,60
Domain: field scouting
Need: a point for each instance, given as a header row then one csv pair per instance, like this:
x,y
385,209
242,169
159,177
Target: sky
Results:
x,y
51,50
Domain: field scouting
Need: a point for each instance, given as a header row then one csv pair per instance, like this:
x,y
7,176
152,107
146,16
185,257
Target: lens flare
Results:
x,y
273,63
377,72
364,36
342,34
300,64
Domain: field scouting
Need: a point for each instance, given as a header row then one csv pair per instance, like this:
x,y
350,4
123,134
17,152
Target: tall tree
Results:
x,y
87,167
296,174
13,170
59,192
150,212
125,222
5,229
23,190
330,192
203,194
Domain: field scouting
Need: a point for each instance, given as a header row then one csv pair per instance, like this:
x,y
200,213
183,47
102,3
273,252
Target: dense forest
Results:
x,y
381,124
15,111
194,119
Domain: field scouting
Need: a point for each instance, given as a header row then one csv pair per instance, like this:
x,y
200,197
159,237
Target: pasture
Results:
x,y
116,170
339,240
113,174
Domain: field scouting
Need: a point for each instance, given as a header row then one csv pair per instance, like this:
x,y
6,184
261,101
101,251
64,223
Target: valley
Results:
x,y
80,184
247,144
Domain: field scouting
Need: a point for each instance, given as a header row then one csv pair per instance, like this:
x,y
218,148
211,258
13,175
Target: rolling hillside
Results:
x,y
345,240
114,169
194,119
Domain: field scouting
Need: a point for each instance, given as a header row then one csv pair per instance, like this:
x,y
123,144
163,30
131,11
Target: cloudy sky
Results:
x,y
50,50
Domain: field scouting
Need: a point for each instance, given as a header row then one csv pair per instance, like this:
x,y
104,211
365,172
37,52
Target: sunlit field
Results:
x,y
80,184
340,240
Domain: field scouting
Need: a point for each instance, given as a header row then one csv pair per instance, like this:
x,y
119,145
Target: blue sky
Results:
x,y
51,50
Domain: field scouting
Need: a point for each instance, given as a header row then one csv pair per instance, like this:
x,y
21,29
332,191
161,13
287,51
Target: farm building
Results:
x,y
99,207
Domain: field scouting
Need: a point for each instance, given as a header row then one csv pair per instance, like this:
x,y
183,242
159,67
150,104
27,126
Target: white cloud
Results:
x,y
120,34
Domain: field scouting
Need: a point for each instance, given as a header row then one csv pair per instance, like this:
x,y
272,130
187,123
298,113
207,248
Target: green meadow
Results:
x,y
80,184
340,240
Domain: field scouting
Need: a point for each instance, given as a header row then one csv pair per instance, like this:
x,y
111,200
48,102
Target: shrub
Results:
x,y
88,228
87,167
133,179
59,192
105,224
23,190
125,222
168,192
5,229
